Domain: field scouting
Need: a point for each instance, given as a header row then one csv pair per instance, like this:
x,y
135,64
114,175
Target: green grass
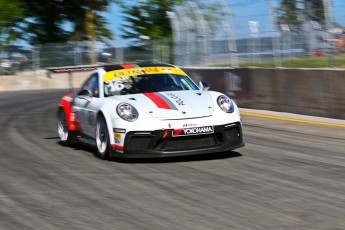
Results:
x,y
337,61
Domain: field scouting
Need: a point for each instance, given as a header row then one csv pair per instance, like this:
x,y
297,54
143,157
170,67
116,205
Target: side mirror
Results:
x,y
203,85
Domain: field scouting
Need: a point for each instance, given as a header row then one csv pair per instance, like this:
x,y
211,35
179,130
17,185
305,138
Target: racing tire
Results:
x,y
67,137
102,138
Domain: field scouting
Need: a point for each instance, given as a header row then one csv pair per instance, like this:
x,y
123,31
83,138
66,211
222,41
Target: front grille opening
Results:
x,y
233,134
140,142
156,141
190,142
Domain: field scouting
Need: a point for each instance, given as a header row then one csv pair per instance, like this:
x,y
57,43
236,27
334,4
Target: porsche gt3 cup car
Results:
x,y
149,110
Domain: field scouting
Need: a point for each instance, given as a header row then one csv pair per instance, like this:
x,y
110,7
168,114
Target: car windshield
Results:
x,y
148,83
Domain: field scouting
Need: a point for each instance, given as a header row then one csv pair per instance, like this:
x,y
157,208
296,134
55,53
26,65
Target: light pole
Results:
x,y
275,35
227,25
327,5
254,33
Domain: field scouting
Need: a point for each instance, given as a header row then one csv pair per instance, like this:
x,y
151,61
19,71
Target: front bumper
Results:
x,y
162,143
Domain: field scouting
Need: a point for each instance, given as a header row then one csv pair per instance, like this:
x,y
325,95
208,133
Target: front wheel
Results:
x,y
102,138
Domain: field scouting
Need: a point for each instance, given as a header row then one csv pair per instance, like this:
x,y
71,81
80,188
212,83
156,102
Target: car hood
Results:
x,y
172,104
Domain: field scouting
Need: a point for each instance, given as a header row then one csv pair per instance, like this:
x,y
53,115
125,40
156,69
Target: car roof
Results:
x,y
135,65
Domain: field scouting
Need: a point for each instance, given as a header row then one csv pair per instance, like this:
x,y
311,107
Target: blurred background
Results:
x,y
37,34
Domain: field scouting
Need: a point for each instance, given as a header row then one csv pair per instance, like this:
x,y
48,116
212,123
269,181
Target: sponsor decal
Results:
x,y
193,131
178,100
189,125
167,70
127,73
151,70
133,70
118,138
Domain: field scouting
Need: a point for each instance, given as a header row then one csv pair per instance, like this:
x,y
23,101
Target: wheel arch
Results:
x,y
105,114
65,106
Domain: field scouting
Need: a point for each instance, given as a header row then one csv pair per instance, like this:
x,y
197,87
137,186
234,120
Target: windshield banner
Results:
x,y
122,73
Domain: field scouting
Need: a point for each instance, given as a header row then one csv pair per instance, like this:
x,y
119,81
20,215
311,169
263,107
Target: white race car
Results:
x,y
148,110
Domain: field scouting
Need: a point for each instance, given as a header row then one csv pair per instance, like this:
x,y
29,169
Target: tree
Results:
x,y
11,15
288,12
148,20
315,10
89,23
45,21
61,21
88,20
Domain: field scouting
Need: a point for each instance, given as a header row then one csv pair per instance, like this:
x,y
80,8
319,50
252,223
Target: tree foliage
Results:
x,y
289,13
315,10
84,17
41,21
45,21
148,19
11,14
88,19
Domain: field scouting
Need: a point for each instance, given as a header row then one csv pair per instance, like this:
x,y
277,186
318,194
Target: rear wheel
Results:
x,y
102,138
66,137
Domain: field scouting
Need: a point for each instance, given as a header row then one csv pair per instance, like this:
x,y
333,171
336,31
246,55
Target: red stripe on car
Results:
x,y
127,66
115,146
160,103
177,132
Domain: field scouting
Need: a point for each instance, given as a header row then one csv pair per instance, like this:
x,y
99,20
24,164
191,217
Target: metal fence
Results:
x,y
235,38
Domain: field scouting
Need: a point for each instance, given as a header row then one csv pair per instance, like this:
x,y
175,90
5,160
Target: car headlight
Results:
x,y
226,104
127,112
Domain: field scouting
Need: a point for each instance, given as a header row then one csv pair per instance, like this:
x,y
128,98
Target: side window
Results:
x,y
94,85
86,84
91,85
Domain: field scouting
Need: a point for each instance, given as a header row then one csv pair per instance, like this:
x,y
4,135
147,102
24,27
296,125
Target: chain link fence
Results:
x,y
236,38
15,58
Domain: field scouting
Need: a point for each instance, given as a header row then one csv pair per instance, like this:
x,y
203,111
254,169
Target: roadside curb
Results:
x,y
298,118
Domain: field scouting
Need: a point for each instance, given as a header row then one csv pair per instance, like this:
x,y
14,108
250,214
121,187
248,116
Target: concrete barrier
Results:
x,y
315,92
35,80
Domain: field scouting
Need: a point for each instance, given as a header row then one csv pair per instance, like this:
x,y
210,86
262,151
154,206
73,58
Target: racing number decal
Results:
x,y
115,85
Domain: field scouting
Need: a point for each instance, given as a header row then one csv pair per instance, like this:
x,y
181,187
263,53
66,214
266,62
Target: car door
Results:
x,y
86,105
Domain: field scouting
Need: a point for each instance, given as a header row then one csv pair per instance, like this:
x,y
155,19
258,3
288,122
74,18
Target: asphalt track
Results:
x,y
290,175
